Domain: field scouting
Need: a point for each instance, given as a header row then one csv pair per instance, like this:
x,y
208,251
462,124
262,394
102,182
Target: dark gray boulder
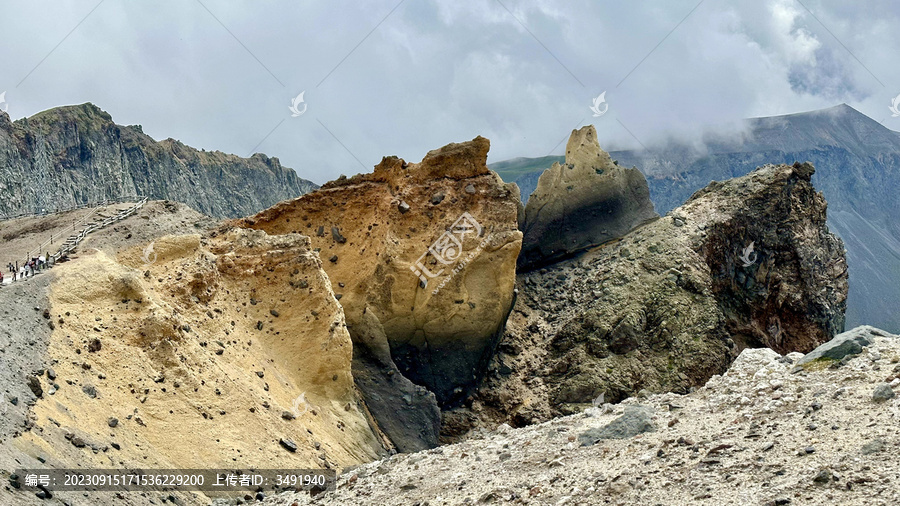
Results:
x,y
845,344
636,420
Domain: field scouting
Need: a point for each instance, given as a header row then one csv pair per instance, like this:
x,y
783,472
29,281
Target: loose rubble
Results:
x,y
758,434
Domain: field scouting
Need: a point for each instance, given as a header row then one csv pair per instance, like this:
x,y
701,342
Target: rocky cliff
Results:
x,y
202,352
744,263
74,155
422,256
857,164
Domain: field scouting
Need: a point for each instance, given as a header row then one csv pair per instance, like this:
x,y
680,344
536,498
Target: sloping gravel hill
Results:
x,y
767,432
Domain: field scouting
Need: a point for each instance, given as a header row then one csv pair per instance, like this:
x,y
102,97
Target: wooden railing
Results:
x,y
72,241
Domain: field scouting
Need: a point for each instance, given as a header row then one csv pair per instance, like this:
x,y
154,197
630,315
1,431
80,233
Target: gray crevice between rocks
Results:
x,y
407,413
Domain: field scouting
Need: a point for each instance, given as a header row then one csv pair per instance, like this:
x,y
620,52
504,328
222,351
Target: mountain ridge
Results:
x,y
77,154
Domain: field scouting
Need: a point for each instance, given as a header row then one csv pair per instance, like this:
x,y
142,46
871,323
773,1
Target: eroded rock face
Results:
x,y
427,249
407,413
585,202
671,303
206,352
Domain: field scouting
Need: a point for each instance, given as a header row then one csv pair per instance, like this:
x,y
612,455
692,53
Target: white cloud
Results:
x,y
436,72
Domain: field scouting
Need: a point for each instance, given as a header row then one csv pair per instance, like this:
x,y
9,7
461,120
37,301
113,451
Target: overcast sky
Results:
x,y
401,78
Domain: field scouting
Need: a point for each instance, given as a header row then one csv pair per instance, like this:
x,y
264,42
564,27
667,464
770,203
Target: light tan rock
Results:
x,y
198,348
585,202
435,263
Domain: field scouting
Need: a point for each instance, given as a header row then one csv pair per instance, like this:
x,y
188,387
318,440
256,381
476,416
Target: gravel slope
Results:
x,y
759,434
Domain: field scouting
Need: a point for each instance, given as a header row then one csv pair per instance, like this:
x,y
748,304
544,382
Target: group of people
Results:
x,y
35,264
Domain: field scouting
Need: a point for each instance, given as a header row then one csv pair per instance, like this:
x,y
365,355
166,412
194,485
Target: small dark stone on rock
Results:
x,y
636,420
288,445
823,476
336,235
871,447
35,385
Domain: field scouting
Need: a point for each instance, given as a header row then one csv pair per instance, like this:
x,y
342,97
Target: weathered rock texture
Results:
x,y
407,413
207,355
427,250
75,155
858,170
671,303
585,202
844,345
759,434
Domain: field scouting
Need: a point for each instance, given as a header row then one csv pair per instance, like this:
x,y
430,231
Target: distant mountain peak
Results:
x,y
83,156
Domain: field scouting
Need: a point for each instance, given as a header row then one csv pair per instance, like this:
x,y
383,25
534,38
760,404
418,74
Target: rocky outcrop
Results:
x,y
857,161
74,155
427,250
200,352
744,263
586,201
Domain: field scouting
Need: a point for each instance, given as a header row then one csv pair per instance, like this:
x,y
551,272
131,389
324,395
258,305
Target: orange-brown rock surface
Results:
x,y
429,249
